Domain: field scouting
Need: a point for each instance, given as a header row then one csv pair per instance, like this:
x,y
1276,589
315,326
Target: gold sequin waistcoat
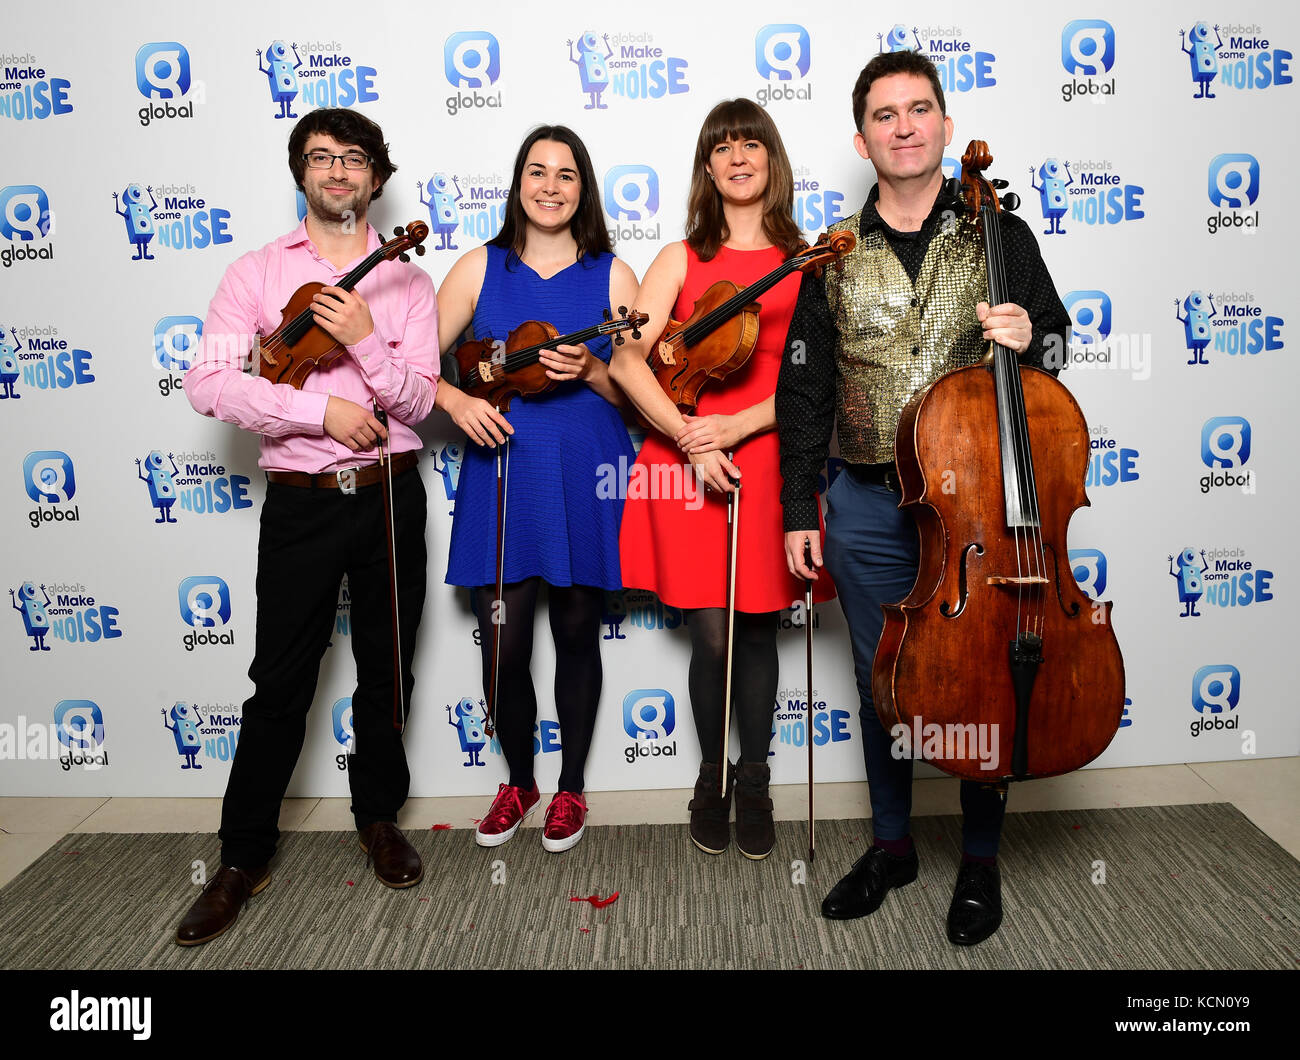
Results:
x,y
896,339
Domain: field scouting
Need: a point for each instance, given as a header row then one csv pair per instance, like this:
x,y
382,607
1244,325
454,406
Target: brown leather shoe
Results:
x,y
217,908
396,862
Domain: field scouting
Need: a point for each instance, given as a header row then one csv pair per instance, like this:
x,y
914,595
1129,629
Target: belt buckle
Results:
x,y
346,477
891,482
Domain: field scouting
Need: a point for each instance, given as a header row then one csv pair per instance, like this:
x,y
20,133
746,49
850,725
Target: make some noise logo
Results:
x,y
63,611
1223,578
471,205
791,718
28,93
51,481
343,610
1109,462
816,205
320,74
783,57
36,358
1245,60
471,61
1228,323
1092,341
163,77
649,717
195,479
1092,194
205,607
642,609
182,221
1216,691
962,67
631,196
1233,190
1225,450
626,66
1088,55
27,222
210,729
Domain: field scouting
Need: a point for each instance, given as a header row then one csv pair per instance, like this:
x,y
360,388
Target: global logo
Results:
x,y
26,92
782,53
1088,47
49,476
1234,181
175,340
1225,442
649,717
25,216
204,601
1090,316
1216,690
472,60
162,72
961,67
631,193
80,724
1088,565
341,720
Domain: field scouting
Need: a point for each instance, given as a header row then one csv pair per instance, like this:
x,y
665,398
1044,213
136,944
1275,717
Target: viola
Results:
x,y
299,345
996,643
720,334
497,370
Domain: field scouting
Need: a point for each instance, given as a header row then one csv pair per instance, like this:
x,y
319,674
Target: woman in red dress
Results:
x,y
739,227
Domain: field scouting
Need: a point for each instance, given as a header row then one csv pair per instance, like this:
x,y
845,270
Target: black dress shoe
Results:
x,y
976,910
217,908
864,888
396,862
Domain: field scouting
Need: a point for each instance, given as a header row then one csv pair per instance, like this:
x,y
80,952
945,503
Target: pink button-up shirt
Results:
x,y
397,364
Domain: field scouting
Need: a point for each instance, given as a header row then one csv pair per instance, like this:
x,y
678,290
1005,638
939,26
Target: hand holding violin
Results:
x,y
564,363
344,314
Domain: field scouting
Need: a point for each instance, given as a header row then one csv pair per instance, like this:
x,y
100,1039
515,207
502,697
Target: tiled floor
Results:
x,y
1267,791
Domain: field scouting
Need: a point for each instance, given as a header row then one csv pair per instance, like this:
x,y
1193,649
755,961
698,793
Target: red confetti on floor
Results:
x,y
351,884
597,901
585,931
440,828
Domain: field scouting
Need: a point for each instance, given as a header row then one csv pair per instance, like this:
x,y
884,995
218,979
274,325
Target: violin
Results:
x,y
299,345
496,371
996,643
720,334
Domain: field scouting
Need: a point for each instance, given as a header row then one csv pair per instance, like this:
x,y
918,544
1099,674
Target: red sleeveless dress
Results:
x,y
677,546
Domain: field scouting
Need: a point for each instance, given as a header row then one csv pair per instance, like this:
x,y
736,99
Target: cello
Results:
x,y
996,645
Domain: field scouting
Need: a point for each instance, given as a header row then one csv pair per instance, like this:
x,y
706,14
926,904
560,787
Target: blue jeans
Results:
x,y
872,552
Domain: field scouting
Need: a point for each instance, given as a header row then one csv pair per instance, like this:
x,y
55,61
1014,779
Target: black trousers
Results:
x,y
309,539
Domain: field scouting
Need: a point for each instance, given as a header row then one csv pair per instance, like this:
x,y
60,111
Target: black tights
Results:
x,y
753,680
575,625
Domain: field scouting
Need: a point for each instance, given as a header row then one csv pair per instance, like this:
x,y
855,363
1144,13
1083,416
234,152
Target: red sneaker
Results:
x,y
508,810
566,819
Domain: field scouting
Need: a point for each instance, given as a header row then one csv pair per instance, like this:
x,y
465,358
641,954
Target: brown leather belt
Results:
x,y
876,474
346,479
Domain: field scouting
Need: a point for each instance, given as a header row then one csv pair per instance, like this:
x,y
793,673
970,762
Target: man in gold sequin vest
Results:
x,y
906,307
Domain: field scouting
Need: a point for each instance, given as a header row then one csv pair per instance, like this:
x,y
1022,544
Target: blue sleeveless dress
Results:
x,y
562,517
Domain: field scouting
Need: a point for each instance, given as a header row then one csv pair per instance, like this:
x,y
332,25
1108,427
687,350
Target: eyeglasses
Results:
x,y
325,160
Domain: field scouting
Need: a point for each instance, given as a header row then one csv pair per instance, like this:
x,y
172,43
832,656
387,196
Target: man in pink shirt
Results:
x,y
324,514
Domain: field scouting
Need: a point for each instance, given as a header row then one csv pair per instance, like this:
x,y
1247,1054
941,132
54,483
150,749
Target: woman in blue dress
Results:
x,y
552,261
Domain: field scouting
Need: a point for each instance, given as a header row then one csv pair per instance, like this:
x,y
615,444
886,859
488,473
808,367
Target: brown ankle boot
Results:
x,y
710,810
755,830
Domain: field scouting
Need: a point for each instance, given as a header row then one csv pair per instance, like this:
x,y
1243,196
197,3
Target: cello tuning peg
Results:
x,y
419,251
403,257
1010,201
952,188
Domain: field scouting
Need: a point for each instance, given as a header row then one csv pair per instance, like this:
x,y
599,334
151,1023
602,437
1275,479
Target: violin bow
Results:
x,y
808,714
498,604
390,531
733,520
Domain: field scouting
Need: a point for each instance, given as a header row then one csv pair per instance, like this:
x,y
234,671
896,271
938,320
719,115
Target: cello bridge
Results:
x,y
998,579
